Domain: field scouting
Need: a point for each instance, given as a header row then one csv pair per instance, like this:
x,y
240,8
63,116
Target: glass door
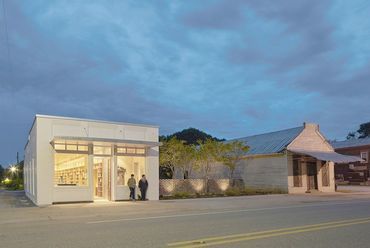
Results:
x,y
102,178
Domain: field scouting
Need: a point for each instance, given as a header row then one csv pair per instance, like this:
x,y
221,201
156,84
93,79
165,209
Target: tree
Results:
x,y
175,154
234,152
191,136
208,153
2,173
187,159
351,135
364,130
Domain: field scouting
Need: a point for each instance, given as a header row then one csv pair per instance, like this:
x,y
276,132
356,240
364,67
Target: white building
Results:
x,y
79,160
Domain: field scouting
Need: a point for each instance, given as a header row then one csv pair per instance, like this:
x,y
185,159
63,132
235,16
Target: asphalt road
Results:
x,y
339,220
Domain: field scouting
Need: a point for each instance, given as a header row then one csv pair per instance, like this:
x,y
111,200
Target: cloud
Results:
x,y
231,68
222,15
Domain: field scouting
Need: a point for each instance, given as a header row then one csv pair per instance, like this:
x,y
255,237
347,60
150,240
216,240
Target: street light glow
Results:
x,y
13,169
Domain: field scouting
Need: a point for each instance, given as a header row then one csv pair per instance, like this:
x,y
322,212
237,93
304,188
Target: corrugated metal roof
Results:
x,y
269,143
350,143
328,156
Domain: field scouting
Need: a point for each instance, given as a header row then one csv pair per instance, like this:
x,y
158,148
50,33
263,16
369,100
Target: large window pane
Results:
x,y
127,165
71,169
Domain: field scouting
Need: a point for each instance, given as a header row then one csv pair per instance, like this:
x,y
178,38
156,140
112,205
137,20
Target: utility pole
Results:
x,y
17,158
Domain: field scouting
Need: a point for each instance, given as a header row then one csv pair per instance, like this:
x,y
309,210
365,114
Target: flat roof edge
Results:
x,y
109,140
93,120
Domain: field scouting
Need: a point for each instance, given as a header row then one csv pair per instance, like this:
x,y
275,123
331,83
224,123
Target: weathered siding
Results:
x,y
269,171
310,139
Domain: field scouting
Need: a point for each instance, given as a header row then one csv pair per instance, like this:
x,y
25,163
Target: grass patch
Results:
x,y
235,191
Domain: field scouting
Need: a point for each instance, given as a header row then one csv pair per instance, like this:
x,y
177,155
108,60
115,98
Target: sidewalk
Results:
x,y
14,199
354,189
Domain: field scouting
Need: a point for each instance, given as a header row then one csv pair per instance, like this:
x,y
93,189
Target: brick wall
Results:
x,y
342,171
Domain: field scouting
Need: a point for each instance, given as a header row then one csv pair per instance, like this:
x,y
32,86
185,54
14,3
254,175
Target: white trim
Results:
x,y
93,120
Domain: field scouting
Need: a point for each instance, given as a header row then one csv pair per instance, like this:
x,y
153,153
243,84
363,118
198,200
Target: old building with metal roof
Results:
x,y
296,160
270,143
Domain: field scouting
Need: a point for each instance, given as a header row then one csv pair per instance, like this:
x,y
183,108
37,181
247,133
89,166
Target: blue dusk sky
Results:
x,y
231,68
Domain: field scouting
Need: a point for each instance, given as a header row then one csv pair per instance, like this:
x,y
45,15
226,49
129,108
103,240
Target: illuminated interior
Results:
x,y
127,165
101,174
71,169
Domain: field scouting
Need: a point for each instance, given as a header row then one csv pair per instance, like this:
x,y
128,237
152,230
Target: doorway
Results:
x,y
312,176
102,178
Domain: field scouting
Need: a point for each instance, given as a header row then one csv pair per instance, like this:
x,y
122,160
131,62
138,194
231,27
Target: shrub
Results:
x,y
13,184
249,191
232,192
262,191
181,195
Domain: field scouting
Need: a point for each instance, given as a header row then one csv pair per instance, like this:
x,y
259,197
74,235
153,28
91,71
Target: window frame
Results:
x,y
127,148
87,179
102,154
66,150
367,157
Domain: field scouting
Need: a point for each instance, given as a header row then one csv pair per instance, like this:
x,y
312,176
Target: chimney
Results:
x,y
311,126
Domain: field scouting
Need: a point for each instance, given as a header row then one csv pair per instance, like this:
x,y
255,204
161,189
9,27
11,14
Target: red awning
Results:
x,y
328,156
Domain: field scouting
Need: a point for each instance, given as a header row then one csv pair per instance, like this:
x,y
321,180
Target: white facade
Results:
x,y
75,160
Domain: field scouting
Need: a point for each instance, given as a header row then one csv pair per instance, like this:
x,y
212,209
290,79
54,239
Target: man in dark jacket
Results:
x,y
143,186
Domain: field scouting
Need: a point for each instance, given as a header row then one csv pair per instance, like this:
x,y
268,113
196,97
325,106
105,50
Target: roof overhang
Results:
x,y
328,156
105,141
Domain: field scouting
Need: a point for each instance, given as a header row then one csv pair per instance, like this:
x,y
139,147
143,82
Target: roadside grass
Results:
x,y
234,191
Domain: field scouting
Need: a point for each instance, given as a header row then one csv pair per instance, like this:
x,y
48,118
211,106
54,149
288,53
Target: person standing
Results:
x,y
143,186
131,183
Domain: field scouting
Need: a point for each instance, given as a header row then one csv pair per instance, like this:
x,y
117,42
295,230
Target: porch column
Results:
x,y
304,175
331,176
319,175
114,174
90,171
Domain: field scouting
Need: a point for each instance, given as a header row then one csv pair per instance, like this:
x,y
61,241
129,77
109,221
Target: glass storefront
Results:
x,y
71,169
127,165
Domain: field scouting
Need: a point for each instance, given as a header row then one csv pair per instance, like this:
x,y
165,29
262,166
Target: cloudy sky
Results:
x,y
231,68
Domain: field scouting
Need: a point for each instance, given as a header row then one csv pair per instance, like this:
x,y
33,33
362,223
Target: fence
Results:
x,y
169,187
